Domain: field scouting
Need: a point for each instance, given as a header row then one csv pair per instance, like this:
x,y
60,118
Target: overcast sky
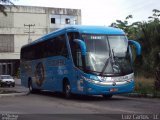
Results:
x,y
102,12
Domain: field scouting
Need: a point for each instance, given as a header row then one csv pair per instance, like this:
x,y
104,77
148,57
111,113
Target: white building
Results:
x,y
24,20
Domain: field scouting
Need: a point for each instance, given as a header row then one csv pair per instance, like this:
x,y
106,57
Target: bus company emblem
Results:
x,y
39,74
114,83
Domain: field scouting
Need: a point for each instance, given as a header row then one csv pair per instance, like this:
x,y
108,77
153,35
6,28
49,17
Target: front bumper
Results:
x,y
7,83
94,89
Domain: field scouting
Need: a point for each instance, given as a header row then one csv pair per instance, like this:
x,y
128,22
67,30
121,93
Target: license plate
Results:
x,y
113,89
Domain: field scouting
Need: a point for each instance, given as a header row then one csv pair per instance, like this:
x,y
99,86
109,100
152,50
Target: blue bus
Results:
x,y
86,60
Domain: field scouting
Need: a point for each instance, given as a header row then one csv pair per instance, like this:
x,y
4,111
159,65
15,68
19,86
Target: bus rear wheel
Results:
x,y
67,90
30,87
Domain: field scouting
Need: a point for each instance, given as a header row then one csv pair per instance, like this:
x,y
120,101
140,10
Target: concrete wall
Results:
x,y
12,28
6,21
13,24
30,18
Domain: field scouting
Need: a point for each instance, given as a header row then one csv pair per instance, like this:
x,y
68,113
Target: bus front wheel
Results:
x,y
67,90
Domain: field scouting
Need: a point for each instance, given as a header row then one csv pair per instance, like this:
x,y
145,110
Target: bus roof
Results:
x,y
97,29
82,29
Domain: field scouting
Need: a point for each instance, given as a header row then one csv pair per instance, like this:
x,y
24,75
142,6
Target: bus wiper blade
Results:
x,y
116,63
113,56
93,71
105,66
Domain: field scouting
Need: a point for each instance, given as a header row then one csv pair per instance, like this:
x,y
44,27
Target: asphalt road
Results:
x,y
48,105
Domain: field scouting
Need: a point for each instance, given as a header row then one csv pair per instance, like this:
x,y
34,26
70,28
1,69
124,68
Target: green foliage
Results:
x,y
3,7
148,34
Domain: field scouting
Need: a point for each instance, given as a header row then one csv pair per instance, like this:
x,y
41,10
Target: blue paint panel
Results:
x,y
99,30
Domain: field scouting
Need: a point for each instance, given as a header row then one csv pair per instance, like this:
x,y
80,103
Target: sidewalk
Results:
x,y
18,90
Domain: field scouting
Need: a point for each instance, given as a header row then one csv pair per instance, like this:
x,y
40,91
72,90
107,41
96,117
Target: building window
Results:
x,y
67,21
6,43
53,20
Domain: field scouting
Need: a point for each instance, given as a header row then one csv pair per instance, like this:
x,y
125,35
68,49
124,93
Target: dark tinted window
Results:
x,y
52,47
60,46
53,20
74,47
67,21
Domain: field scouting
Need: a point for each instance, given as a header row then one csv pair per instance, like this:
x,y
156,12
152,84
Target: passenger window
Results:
x,y
61,46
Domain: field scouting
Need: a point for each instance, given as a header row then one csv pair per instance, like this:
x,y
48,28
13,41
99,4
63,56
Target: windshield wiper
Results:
x,y
111,55
105,66
93,71
116,64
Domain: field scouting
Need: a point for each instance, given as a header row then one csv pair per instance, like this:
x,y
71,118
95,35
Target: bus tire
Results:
x,y
30,87
107,96
67,90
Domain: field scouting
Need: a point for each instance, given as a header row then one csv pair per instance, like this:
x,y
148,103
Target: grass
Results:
x,y
145,86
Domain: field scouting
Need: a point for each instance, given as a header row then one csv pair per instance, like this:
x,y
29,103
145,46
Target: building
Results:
x,y
24,24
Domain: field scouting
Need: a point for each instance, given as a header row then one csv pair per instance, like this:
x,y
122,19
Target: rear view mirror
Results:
x,y
82,46
137,46
138,51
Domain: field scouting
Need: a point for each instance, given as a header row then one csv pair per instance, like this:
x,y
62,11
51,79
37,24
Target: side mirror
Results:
x,y
137,45
138,58
82,46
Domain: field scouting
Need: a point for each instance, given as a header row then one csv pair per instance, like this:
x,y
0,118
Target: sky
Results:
x,y
102,12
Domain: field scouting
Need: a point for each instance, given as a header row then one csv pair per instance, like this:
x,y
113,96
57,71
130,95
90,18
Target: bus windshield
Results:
x,y
107,55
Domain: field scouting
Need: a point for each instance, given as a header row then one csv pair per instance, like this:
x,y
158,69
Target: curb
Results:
x,y
139,95
13,94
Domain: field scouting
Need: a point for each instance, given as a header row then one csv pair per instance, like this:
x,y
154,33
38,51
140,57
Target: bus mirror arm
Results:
x,y
138,59
137,45
82,46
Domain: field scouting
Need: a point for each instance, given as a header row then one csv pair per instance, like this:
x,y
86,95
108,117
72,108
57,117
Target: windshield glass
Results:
x,y
97,51
107,55
119,45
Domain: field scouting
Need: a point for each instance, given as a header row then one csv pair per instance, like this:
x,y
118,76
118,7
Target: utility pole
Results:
x,y
29,31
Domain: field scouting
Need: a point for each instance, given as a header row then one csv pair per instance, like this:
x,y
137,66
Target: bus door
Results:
x,y
76,59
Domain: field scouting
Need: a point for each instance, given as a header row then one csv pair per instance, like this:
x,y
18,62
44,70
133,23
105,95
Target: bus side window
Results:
x,y
61,46
55,47
75,48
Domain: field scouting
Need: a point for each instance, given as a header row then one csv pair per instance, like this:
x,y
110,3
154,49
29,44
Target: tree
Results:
x,y
150,41
3,7
155,16
130,29
147,34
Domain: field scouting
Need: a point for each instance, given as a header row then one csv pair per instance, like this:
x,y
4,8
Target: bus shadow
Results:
x,y
80,97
